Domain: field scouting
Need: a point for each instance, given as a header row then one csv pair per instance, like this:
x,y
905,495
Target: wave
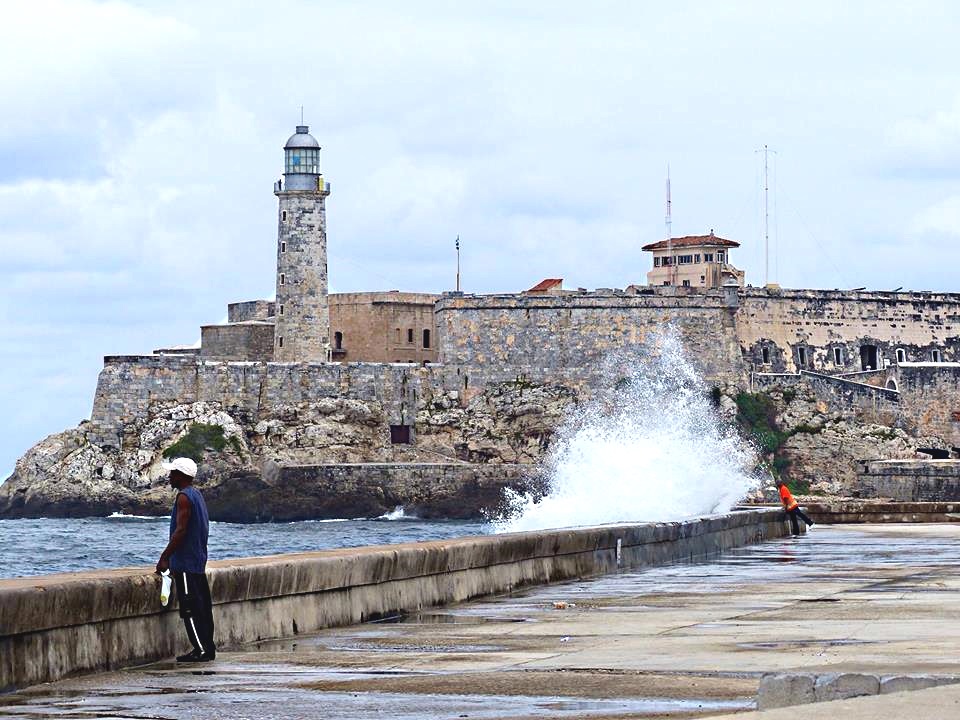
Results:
x,y
124,516
398,513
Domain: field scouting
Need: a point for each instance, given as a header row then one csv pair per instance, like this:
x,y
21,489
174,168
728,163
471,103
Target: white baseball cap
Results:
x,y
183,464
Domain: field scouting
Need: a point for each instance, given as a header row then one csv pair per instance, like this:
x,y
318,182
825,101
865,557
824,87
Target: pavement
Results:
x,y
685,640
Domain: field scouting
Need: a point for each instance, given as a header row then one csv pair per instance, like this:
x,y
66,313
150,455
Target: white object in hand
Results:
x,y
165,587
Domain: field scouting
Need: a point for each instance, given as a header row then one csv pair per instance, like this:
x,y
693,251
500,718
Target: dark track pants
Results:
x,y
794,514
196,609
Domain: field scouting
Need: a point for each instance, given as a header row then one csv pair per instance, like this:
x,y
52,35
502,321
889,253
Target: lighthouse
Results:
x,y
302,328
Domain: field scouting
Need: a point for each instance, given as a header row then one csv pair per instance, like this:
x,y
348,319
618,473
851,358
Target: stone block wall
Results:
x,y
250,310
930,398
910,480
250,340
582,330
819,321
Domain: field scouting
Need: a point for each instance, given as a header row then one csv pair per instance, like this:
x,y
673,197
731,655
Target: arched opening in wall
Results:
x,y
426,339
802,357
838,356
935,356
935,453
892,384
765,355
868,357
901,355
338,340
409,335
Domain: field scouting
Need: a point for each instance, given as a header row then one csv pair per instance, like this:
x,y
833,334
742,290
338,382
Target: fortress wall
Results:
x,y
243,341
557,333
75,623
930,398
820,320
129,386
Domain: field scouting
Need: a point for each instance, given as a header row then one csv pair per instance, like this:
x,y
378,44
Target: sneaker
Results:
x,y
192,656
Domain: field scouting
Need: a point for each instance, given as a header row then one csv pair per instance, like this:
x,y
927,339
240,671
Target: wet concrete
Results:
x,y
674,641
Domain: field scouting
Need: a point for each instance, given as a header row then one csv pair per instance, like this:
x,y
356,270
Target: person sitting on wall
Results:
x,y
186,558
793,508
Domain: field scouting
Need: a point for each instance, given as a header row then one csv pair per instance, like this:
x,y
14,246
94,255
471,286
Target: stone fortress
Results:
x,y
386,398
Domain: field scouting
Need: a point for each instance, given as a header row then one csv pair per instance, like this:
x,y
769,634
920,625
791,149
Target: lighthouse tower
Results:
x,y
302,315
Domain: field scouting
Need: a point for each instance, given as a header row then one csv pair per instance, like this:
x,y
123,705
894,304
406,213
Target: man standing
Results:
x,y
793,508
186,558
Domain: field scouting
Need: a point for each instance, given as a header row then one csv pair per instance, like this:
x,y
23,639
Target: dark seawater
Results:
x,y
38,547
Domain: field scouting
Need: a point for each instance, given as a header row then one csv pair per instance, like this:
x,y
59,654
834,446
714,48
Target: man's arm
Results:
x,y
179,533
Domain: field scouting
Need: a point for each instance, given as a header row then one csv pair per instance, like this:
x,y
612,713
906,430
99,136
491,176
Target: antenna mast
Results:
x,y
669,223
766,219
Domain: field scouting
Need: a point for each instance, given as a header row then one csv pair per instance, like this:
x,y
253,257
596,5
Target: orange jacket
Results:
x,y
786,498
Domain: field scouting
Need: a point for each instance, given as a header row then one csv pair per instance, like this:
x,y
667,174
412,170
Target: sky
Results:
x,y
139,143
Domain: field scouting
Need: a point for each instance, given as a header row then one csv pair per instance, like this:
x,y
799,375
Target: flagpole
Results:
x,y
458,263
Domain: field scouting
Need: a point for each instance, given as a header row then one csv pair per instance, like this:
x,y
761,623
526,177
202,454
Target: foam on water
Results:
x,y
648,446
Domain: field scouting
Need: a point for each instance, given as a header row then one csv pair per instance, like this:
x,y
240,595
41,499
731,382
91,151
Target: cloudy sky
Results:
x,y
139,143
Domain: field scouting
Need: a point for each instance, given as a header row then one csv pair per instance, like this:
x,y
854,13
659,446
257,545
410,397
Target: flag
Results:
x,y
458,242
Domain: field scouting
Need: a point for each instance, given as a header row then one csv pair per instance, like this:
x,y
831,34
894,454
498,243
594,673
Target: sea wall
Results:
x,y
910,480
75,623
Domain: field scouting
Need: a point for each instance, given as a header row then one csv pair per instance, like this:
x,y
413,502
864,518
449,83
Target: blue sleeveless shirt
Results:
x,y
191,556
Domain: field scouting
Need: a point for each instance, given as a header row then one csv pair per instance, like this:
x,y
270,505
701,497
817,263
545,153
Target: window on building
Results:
x,y
283,246
656,262
685,260
765,354
400,434
703,279
409,335
338,340
686,283
426,339
667,261
666,282
838,356
869,357
901,355
720,257
281,308
708,257
696,258
283,278
280,341
935,355
398,336
802,357
284,215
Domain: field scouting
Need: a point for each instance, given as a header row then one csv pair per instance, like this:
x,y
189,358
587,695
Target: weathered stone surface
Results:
x,y
840,686
908,683
785,689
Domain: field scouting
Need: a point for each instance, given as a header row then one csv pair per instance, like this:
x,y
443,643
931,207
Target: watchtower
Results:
x,y
302,330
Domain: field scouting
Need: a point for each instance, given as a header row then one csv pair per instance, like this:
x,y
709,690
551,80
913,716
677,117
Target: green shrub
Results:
x,y
788,395
806,429
199,438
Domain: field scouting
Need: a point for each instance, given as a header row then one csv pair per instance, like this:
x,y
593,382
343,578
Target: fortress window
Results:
x,y
901,355
802,357
280,341
410,335
935,355
703,279
398,336
685,260
720,257
338,340
708,257
284,215
283,278
426,339
400,434
281,308
696,258
838,356
283,246
765,353
686,283
656,262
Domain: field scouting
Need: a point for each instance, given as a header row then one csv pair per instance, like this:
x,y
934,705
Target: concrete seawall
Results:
x,y
61,625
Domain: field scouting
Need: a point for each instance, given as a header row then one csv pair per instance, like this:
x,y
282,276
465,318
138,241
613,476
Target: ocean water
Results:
x,y
48,545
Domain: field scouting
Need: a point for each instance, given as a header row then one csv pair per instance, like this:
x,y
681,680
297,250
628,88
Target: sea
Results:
x,y
49,545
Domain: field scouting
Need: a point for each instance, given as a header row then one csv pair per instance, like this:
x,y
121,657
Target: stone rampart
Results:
x,y
70,624
910,480
582,330
250,340
931,398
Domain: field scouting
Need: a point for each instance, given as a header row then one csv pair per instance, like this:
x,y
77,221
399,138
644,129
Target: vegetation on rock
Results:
x,y
200,438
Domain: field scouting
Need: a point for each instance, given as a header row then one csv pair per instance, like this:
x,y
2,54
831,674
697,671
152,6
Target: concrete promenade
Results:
x,y
685,640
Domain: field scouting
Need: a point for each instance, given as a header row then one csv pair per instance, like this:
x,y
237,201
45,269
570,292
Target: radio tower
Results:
x,y
669,222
